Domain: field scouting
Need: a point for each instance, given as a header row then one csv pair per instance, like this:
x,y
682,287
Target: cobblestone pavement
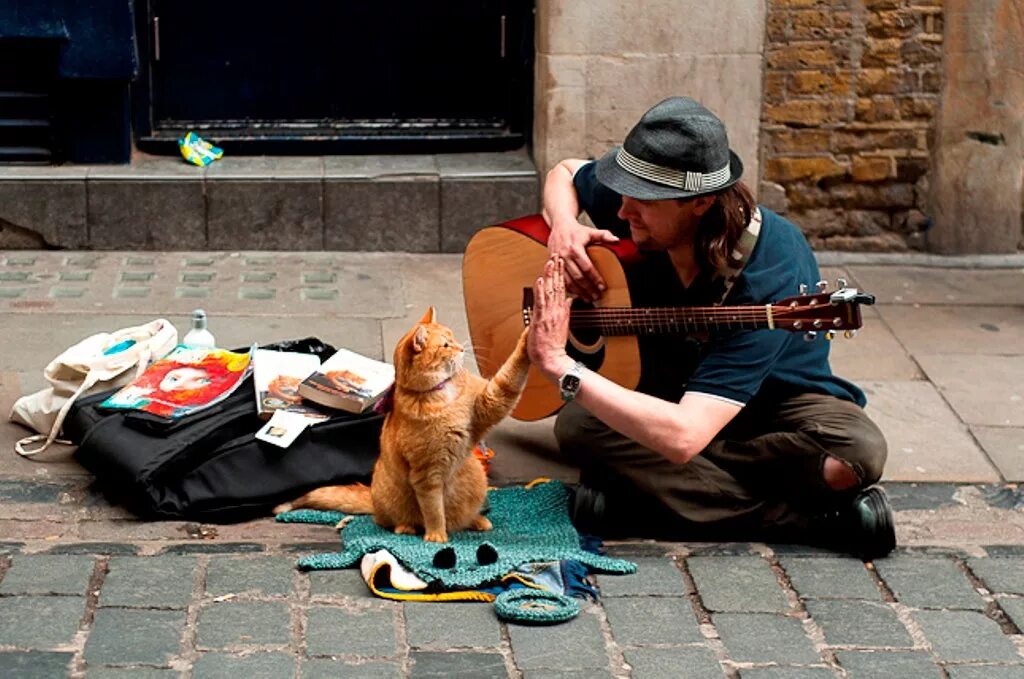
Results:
x,y
88,590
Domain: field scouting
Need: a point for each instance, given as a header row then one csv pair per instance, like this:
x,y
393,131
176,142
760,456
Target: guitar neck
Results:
x,y
670,320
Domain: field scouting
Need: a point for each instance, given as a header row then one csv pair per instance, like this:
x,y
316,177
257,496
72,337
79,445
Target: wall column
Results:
x,y
979,155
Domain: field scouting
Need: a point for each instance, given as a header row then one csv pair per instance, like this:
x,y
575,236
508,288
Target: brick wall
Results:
x,y
851,90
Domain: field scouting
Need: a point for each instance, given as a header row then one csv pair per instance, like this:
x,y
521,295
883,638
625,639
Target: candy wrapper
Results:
x,y
197,150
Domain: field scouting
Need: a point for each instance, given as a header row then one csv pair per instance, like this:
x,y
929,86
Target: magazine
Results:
x,y
349,381
186,380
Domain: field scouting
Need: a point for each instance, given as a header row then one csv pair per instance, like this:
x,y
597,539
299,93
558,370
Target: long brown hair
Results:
x,y
721,226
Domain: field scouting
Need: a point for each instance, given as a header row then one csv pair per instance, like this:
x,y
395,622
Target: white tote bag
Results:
x,y
103,361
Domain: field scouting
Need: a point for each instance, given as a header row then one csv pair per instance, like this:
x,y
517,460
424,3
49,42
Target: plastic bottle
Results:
x,y
199,336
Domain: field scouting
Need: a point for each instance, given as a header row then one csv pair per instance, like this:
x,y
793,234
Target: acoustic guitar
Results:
x,y
502,262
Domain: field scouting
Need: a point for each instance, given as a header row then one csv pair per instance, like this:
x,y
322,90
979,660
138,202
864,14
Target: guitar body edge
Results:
x,y
498,263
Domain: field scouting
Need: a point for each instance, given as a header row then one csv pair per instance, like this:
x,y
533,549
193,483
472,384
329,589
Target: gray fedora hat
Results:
x,y
679,149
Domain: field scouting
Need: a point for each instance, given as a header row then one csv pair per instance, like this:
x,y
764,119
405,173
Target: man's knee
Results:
x,y
866,452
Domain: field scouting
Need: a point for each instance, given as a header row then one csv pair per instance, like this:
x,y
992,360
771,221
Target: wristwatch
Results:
x,y
569,384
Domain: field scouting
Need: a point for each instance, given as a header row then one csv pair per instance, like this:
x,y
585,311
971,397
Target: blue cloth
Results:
x,y
735,365
531,524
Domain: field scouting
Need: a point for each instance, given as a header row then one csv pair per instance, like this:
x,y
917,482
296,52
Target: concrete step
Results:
x,y
424,203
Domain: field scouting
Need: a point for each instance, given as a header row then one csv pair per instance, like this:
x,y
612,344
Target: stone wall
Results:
x,y
851,90
601,63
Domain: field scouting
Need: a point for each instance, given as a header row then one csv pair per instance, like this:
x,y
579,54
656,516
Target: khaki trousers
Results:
x,y
764,470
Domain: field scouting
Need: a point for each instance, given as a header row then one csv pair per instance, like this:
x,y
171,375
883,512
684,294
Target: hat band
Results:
x,y
679,179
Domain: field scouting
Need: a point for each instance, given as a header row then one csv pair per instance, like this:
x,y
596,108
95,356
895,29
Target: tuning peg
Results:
x,y
810,336
840,283
822,286
830,335
803,288
850,334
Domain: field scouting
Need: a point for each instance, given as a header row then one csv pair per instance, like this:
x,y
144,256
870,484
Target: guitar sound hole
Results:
x,y
584,337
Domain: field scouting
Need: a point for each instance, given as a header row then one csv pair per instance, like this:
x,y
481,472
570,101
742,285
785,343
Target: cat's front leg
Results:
x,y
502,391
429,490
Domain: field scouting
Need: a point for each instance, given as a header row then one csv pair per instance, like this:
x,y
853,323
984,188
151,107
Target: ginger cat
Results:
x,y
426,477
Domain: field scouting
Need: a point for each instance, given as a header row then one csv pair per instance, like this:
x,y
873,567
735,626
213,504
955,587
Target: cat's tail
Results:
x,y
353,499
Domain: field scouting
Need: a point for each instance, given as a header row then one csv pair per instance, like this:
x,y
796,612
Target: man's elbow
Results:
x,y
682,449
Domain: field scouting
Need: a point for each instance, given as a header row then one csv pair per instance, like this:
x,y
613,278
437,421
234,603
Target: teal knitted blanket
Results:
x,y
531,524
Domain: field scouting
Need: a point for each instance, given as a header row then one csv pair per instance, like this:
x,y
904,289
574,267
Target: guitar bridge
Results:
x,y
527,305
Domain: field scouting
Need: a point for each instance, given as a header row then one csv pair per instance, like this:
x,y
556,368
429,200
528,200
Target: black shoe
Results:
x,y
862,526
587,510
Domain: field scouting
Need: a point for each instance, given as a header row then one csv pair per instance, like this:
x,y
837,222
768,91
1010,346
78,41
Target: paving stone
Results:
x,y
983,390
214,548
946,287
830,578
923,582
149,582
942,451
267,576
468,665
105,548
32,491
1005,445
696,662
124,637
11,547
859,623
231,623
902,664
34,664
1015,609
985,671
965,636
367,632
652,620
764,638
787,673
573,645
1002,575
39,621
48,574
451,625
255,666
568,674
331,668
130,673
654,576
737,583
347,582
905,496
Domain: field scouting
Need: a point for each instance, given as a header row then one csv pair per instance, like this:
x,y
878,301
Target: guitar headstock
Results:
x,y
823,311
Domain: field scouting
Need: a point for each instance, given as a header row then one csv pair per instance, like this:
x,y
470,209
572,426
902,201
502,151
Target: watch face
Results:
x,y
571,383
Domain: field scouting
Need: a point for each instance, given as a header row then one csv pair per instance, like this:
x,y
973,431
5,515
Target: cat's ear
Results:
x,y
429,316
419,338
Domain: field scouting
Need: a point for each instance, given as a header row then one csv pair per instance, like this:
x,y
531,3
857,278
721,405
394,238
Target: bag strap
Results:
x,y
91,378
50,438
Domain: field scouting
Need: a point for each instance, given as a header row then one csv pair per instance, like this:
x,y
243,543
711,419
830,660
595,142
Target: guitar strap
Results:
x,y
730,271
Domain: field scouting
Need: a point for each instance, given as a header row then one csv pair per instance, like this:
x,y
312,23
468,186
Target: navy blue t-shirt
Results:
x,y
733,365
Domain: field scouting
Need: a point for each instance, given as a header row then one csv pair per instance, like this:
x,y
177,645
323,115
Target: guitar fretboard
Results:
x,y
655,320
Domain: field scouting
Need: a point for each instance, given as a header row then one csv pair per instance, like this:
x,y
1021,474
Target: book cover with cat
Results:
x,y
276,378
349,381
186,380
